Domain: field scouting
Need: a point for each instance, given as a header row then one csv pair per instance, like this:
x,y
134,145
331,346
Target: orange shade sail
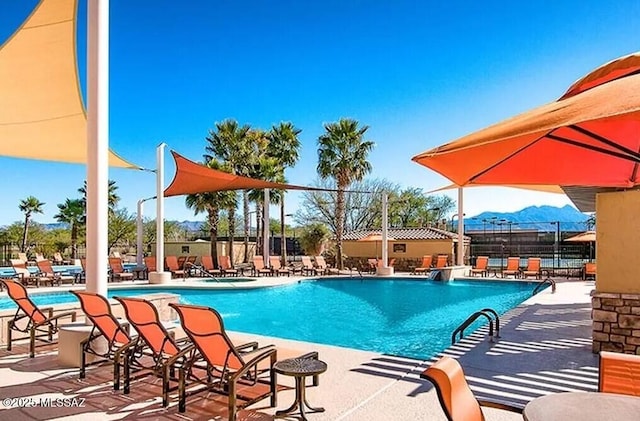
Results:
x,y
589,137
191,178
583,237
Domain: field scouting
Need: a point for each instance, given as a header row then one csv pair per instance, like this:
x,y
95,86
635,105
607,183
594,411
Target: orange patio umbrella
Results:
x,y
588,137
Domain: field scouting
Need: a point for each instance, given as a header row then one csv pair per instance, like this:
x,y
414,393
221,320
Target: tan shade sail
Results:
x,y
584,237
191,178
41,111
589,137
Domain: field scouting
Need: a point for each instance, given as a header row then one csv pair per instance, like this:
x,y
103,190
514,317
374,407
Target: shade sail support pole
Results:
x,y
265,228
140,231
385,229
460,252
97,145
160,276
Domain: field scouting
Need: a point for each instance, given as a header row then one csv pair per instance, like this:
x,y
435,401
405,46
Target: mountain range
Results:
x,y
542,218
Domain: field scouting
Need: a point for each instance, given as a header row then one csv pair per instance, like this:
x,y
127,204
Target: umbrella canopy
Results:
x,y
583,237
589,137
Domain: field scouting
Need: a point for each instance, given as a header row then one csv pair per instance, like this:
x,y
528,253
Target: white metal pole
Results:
x,y
265,228
160,208
385,227
139,233
97,144
460,261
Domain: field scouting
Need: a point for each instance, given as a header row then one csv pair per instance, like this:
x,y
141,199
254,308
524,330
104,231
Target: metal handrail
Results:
x,y
543,283
490,314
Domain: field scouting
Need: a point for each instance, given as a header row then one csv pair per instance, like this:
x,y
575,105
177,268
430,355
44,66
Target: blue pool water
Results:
x,y
399,317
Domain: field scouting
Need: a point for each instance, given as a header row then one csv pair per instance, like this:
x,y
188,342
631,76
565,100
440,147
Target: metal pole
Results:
x,y
385,228
160,209
97,144
558,242
140,231
265,228
460,227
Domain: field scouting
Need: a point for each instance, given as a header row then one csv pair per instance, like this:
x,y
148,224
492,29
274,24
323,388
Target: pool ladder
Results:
x,y
492,317
541,284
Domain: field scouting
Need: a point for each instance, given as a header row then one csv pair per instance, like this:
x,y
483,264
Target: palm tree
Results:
x,y
28,206
72,212
112,200
212,203
230,143
284,146
342,156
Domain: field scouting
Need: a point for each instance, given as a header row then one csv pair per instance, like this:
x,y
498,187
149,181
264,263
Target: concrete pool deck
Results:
x,y
545,347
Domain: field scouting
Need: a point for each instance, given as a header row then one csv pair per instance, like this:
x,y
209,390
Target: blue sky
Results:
x,y
419,73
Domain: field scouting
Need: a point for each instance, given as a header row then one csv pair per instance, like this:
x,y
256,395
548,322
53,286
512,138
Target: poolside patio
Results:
x,y
545,347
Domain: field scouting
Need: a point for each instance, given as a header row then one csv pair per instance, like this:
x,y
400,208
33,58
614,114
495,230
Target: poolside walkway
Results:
x,y
545,347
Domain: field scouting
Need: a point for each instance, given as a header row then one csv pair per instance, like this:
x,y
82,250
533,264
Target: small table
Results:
x,y
583,406
300,368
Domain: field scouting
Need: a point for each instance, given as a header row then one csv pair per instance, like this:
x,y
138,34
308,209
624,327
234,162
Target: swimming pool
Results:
x,y
399,317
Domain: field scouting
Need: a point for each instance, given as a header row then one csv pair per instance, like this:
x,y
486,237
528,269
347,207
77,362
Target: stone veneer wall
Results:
x,y
616,322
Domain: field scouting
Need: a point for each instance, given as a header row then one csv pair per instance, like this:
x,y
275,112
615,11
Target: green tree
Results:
x,y
122,228
113,198
212,203
72,212
171,230
284,147
312,238
342,156
29,206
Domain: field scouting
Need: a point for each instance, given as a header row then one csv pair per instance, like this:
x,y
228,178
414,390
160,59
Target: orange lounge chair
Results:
x,y
425,267
119,345
206,267
321,266
276,267
31,319
117,270
233,368
226,267
481,266
533,268
513,267
259,267
307,266
46,272
442,261
455,396
619,373
163,347
589,271
171,262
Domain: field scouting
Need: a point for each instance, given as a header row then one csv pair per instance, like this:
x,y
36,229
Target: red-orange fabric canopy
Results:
x,y
589,137
191,178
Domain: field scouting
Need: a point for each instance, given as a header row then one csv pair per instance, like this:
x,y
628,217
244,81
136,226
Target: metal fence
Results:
x,y
546,240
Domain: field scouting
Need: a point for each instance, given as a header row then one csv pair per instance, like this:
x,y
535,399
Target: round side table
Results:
x,y
300,368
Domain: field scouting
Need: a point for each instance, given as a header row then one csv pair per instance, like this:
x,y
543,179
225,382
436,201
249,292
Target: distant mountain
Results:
x,y
542,218
191,225
55,226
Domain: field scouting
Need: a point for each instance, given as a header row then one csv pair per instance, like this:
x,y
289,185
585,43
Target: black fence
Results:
x,y
547,240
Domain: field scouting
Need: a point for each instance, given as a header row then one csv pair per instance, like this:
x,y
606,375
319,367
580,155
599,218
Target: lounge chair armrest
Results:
x,y
180,354
253,345
47,310
71,314
500,405
269,352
